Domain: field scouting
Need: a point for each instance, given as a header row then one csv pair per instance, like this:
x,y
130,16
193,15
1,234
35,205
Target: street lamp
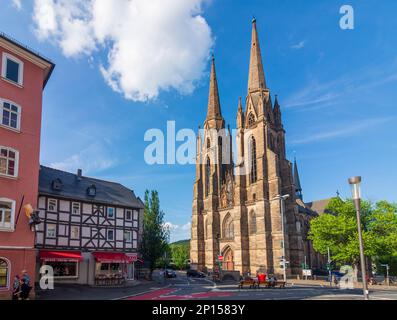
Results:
x,y
282,200
355,183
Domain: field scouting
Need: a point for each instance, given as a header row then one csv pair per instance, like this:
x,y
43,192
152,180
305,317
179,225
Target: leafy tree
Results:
x,y
155,236
180,254
338,231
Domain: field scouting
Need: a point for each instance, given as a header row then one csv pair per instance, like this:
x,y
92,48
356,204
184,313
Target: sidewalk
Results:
x,y
323,283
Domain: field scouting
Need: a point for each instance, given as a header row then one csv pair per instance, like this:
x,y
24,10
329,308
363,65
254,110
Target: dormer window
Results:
x,y
57,185
91,191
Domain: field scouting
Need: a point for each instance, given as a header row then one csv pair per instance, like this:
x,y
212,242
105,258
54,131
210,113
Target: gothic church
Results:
x,y
237,212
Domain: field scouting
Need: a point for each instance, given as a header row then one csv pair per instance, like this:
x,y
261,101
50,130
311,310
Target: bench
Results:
x,y
248,282
275,284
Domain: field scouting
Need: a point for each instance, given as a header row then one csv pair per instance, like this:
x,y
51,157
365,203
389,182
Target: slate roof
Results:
x,y
72,188
319,206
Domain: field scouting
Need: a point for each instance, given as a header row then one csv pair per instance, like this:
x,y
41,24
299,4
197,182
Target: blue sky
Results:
x,y
337,89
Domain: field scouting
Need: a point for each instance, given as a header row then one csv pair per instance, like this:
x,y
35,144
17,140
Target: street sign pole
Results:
x,y
329,267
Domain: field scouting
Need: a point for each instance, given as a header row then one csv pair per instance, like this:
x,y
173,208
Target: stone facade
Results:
x,y
236,212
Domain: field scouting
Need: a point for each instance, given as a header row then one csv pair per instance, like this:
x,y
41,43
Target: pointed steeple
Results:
x,y
298,187
277,113
240,115
214,114
256,80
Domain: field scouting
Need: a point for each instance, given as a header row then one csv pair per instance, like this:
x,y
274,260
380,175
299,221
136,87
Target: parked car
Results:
x,y
195,274
169,273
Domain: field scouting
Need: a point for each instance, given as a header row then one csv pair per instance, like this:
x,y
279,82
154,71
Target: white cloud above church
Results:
x,y
150,46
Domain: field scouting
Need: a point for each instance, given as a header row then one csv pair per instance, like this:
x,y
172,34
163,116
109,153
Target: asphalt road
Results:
x,y
183,288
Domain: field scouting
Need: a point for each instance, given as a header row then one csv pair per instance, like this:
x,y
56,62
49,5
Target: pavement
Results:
x,y
184,288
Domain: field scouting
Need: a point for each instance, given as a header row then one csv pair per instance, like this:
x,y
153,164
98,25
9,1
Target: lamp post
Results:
x,y
355,183
282,206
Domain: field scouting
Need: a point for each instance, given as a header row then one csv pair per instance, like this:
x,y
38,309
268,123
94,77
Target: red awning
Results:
x,y
110,257
131,257
60,256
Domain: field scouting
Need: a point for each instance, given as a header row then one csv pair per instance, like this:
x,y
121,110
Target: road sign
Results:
x,y
220,258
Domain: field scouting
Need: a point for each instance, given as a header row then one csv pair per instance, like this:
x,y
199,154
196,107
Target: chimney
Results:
x,y
79,174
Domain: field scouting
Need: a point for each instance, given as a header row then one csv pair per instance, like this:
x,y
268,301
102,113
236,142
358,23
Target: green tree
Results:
x,y
155,236
338,231
180,254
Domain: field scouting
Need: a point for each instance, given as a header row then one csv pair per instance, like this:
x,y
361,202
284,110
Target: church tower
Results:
x,y
236,206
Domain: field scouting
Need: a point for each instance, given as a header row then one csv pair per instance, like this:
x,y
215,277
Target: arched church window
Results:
x,y
252,223
228,227
4,273
251,120
207,177
252,150
208,143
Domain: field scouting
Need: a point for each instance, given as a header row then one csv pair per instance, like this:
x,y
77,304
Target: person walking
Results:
x,y
16,288
25,286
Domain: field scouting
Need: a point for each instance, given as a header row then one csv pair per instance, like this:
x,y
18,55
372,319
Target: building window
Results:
x,y
52,205
76,208
75,232
51,231
251,120
135,218
134,239
128,236
207,177
110,235
228,227
8,162
10,115
110,212
91,191
12,69
252,150
128,215
64,269
252,223
4,273
7,214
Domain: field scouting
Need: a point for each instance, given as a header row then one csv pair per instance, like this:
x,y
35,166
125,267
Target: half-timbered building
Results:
x,y
91,228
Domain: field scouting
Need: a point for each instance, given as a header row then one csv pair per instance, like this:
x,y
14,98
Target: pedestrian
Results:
x,y
25,286
16,288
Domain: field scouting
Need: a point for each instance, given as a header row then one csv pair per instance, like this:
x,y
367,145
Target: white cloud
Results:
x,y
179,232
151,45
92,159
299,45
17,4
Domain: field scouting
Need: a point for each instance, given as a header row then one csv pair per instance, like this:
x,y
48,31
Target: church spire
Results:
x,y
298,187
240,115
256,80
214,114
277,113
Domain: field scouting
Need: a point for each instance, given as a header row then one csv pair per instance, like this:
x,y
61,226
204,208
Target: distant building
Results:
x,y
91,228
23,76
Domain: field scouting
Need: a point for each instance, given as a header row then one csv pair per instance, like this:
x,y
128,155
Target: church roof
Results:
x,y
319,206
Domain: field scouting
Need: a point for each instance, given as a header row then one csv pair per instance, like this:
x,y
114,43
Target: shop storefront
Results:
x,y
112,269
90,268
65,264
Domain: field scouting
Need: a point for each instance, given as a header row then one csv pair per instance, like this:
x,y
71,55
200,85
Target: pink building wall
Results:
x,y
18,246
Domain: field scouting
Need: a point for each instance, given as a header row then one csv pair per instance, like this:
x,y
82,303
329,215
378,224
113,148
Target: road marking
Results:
x,y
141,293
